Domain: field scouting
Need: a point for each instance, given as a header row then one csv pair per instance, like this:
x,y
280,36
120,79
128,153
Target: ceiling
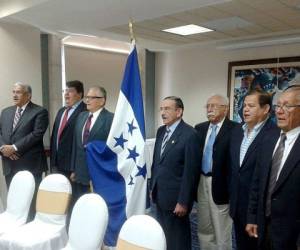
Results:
x,y
236,20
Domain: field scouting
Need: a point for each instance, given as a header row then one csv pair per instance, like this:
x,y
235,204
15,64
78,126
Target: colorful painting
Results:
x,y
271,75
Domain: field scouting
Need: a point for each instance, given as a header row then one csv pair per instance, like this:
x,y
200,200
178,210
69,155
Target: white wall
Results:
x,y
20,61
195,73
94,67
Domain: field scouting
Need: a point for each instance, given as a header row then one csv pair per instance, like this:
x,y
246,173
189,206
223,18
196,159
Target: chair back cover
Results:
x,y
19,196
53,199
141,232
88,223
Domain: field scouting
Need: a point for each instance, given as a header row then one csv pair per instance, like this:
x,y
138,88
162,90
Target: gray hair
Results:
x,y
224,99
24,86
101,90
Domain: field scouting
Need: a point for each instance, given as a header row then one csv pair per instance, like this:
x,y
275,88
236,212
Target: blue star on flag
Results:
x,y
120,141
131,127
142,171
132,154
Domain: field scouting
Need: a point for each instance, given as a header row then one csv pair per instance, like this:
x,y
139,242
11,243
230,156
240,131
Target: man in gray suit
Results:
x,y
91,125
22,128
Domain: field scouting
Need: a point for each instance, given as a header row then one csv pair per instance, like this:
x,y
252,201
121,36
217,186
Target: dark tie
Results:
x,y
208,151
17,117
63,123
86,131
165,140
276,162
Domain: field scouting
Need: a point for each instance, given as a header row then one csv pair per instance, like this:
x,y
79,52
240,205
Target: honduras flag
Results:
x,y
117,167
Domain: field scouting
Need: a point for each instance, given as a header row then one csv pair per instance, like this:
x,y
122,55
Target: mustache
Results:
x,y
163,117
211,113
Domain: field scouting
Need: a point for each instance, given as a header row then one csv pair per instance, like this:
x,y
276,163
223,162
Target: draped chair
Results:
x,y
19,198
141,232
88,223
47,231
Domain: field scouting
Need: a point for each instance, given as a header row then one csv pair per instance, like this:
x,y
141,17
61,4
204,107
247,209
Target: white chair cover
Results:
x,y
141,232
47,231
88,223
19,198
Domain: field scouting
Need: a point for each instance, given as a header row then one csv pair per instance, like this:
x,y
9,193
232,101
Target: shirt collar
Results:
x,y
174,126
23,107
257,127
96,113
290,135
219,124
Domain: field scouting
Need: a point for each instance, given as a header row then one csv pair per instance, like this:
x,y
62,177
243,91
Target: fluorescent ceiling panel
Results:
x,y
186,30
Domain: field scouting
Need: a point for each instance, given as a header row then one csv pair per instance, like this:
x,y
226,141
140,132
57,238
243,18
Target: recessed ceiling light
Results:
x,y
187,30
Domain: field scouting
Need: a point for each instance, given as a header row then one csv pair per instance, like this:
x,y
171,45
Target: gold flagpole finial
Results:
x,y
131,31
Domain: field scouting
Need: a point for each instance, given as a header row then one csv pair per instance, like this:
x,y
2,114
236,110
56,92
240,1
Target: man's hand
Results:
x,y
14,157
7,150
180,210
72,177
251,229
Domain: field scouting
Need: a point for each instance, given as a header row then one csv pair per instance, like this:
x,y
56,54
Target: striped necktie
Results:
x,y
165,140
18,115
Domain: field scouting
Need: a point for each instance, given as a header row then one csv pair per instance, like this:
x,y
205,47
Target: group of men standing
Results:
x,y
81,120
249,174
246,175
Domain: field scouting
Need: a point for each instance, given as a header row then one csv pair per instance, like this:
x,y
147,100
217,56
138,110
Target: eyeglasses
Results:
x,y
286,107
214,106
167,109
93,97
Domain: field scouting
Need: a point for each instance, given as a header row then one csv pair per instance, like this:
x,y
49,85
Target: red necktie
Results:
x,y
86,131
63,123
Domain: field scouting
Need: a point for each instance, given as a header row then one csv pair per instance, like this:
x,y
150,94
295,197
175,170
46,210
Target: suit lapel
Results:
x,y
289,164
223,130
237,142
256,141
98,124
267,157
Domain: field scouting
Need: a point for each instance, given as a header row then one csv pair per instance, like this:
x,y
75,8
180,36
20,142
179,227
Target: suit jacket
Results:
x,y
60,157
220,168
285,199
175,173
99,131
28,138
241,176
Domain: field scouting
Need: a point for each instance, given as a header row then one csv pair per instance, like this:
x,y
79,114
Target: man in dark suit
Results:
x,y
214,222
274,205
91,125
22,128
63,128
244,147
175,174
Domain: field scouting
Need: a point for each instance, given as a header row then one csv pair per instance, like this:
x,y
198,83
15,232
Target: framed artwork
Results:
x,y
273,75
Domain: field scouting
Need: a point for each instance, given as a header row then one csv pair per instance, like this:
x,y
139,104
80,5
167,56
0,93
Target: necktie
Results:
x,y
17,117
207,155
276,162
165,140
86,131
63,123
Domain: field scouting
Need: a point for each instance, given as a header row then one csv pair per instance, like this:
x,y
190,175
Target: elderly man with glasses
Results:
x,y
214,223
93,124
274,205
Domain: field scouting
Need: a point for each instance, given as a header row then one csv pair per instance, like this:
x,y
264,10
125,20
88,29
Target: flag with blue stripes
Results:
x,y
117,167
